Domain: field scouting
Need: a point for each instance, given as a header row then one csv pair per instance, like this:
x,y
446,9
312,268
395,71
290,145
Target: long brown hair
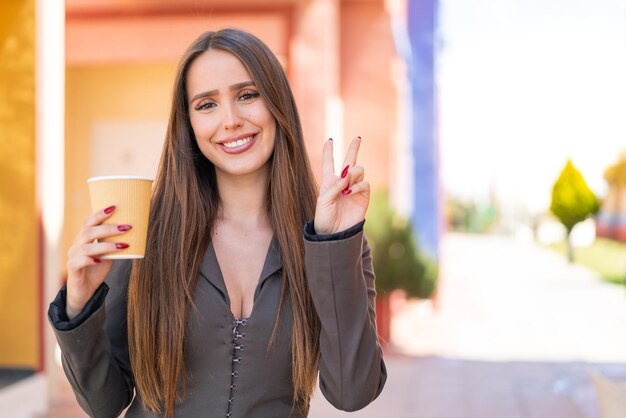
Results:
x,y
182,214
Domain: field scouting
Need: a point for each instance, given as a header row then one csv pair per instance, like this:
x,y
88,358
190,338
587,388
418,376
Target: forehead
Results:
x,y
215,69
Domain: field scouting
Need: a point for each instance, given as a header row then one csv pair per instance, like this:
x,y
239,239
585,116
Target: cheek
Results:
x,y
195,127
202,127
202,135
268,121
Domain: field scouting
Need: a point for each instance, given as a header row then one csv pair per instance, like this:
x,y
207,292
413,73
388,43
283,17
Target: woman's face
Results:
x,y
234,128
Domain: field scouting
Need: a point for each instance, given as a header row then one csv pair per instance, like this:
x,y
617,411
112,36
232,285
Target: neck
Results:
x,y
243,199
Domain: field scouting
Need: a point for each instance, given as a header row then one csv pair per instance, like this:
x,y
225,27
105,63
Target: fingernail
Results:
x,y
124,228
109,209
121,246
346,192
96,260
344,173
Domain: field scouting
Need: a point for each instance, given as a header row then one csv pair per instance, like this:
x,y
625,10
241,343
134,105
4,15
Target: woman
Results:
x,y
234,310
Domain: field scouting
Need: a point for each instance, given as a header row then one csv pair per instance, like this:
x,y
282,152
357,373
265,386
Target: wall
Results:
x,y
367,87
133,97
19,263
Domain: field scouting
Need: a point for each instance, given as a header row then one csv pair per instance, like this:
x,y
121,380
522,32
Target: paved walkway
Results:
x,y
514,333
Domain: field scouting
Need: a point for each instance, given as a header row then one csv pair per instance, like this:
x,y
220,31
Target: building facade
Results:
x,y
89,87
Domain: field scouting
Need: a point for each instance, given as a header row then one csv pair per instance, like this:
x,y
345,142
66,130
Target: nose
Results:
x,y
232,119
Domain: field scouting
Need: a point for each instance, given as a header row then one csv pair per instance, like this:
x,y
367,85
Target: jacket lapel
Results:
x,y
210,268
272,265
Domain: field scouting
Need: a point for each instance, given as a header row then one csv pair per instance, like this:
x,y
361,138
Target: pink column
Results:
x,y
314,74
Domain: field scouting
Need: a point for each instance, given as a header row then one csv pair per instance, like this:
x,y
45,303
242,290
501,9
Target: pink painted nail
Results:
x,y
109,209
344,173
346,192
121,246
124,228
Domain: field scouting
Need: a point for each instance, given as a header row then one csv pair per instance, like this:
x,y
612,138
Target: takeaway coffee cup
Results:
x,y
131,196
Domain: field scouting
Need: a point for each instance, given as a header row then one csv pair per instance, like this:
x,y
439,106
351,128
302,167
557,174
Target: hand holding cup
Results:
x,y
86,268
126,200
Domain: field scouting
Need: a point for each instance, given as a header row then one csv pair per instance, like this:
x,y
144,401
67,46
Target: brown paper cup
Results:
x,y
131,196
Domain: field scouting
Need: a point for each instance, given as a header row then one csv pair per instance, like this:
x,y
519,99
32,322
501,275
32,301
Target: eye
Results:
x,y
205,105
248,95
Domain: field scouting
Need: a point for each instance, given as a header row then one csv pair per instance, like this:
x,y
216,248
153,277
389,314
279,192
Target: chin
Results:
x,y
243,169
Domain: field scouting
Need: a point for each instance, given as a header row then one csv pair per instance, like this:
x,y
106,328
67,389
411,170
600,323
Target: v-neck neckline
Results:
x,y
211,271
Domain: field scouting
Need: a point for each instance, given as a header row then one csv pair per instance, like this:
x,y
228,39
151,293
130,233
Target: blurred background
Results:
x,y
494,137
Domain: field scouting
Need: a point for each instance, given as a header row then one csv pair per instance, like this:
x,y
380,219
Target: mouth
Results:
x,y
238,144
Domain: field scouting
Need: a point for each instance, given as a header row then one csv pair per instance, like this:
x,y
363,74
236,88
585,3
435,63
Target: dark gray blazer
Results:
x,y
231,371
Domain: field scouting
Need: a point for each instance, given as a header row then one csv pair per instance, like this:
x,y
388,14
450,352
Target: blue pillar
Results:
x,y
425,216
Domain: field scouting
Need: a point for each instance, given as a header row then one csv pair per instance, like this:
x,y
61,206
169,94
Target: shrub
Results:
x,y
398,263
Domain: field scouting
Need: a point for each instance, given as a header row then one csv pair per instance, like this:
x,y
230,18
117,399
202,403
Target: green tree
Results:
x,y
572,201
398,263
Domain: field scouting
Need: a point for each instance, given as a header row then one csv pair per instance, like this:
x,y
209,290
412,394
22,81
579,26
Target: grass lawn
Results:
x,y
605,257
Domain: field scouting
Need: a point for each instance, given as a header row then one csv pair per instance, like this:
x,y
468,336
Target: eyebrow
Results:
x,y
214,92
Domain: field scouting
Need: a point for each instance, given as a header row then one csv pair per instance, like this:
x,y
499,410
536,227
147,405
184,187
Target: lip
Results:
x,y
241,148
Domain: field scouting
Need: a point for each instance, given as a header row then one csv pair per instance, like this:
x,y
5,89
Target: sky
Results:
x,y
523,86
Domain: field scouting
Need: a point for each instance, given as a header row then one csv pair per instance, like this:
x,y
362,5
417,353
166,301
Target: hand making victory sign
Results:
x,y
343,199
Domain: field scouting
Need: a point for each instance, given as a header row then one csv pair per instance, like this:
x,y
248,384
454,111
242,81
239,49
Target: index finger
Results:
x,y
328,163
353,150
100,216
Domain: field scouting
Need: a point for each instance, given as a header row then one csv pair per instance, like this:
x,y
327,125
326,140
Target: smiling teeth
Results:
x,y
238,142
